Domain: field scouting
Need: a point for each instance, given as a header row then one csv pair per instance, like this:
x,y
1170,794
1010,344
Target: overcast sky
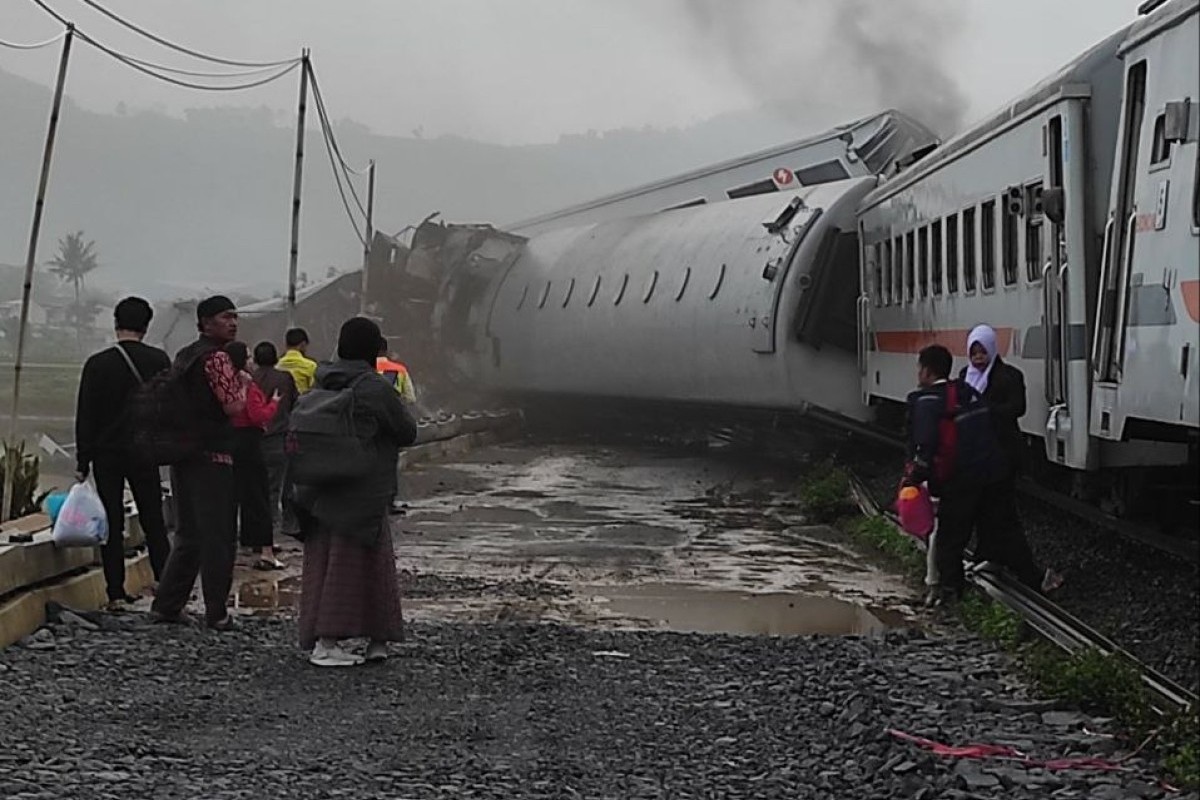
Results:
x,y
519,71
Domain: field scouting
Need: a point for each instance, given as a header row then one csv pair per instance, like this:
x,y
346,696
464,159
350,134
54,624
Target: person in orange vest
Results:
x,y
396,372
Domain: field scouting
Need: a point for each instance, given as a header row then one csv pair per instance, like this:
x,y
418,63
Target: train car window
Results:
x,y
1009,243
987,243
567,294
717,286
887,272
650,284
968,237
751,189
923,261
521,300
952,254
687,274
910,278
1034,232
621,291
898,270
935,255
1160,150
825,172
545,294
877,273
595,290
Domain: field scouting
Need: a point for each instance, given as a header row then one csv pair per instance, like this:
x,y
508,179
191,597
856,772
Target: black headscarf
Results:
x,y
359,340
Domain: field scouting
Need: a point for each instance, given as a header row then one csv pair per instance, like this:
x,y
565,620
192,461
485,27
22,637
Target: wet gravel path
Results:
x,y
130,710
1145,600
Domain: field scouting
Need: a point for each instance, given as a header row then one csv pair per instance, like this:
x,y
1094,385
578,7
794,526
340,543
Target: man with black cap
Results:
x,y
206,539
104,442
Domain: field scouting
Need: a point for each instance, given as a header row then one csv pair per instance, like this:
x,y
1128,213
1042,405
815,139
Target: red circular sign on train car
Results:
x,y
783,176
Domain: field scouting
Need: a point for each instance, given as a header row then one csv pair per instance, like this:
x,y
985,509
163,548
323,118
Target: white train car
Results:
x,y
875,145
1009,224
748,303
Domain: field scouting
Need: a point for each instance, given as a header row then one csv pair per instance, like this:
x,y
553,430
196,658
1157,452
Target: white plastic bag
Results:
x,y
81,520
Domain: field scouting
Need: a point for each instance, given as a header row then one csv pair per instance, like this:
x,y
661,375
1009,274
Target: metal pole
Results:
x,y
296,183
362,303
30,258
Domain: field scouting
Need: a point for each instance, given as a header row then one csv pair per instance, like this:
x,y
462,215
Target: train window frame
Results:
x,y
910,267
1161,149
936,281
877,273
970,240
1196,198
524,296
1010,246
650,285
569,292
621,291
987,246
897,270
1035,228
887,270
717,286
595,292
923,261
687,276
952,260
545,294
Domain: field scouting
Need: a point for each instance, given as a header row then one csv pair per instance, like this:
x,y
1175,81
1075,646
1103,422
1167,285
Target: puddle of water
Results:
x,y
268,595
691,609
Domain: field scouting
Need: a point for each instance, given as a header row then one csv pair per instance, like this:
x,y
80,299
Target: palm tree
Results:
x,y
74,261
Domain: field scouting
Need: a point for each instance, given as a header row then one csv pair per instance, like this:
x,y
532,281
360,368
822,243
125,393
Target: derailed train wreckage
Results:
x,y
1070,221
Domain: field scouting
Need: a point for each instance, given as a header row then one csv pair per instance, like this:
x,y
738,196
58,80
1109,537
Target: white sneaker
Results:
x,y
377,651
326,654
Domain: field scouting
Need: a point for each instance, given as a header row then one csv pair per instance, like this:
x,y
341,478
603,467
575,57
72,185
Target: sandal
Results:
x,y
1052,581
268,564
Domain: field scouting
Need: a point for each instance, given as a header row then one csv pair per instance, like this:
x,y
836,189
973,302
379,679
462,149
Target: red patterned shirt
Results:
x,y
223,380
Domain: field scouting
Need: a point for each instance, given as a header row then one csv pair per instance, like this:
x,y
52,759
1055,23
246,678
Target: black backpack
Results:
x,y
323,447
164,419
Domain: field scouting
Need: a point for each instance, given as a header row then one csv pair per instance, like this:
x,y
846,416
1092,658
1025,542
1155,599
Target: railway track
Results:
x,y
1052,622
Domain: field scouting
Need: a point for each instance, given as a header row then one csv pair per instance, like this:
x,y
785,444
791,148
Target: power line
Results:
x,y
139,66
199,73
180,48
331,140
35,45
338,174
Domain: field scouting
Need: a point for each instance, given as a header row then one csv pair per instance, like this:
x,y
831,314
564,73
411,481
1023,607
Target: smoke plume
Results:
x,y
818,61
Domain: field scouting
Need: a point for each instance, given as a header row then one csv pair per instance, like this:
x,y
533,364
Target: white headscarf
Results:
x,y
984,336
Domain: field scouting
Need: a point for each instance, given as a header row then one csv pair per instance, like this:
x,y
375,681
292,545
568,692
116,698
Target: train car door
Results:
x,y
1063,254
762,305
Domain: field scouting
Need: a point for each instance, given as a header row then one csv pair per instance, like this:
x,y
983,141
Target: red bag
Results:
x,y
915,508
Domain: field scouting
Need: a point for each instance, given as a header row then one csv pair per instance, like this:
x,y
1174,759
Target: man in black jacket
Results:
x,y
952,446
104,438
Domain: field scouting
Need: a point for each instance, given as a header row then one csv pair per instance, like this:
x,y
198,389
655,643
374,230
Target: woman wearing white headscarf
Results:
x,y
1001,532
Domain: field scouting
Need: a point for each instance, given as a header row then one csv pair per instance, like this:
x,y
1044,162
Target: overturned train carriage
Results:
x,y
748,303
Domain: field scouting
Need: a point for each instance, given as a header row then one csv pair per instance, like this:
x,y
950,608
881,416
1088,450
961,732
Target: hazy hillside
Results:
x,y
204,202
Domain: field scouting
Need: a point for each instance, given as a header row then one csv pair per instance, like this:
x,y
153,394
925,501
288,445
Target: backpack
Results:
x,y
322,445
164,419
964,428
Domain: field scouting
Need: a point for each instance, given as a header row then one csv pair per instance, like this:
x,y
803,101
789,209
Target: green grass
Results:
x,y
825,493
990,620
879,534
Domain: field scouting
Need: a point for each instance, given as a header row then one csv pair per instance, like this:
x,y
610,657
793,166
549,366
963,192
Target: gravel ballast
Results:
x,y
129,710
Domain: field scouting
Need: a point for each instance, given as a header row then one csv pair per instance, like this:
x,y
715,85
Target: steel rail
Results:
x,y
1054,623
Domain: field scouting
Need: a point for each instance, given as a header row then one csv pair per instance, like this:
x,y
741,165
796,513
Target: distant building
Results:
x,y
10,310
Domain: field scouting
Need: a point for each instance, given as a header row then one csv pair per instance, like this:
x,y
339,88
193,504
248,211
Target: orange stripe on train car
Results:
x,y
954,340
1191,298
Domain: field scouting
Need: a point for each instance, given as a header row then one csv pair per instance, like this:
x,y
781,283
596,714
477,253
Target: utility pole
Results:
x,y
370,234
30,259
297,178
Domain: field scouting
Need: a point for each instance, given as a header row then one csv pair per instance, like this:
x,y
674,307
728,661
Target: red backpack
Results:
x,y
944,460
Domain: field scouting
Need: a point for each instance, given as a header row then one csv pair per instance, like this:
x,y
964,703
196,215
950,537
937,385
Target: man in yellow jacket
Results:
x,y
397,373
302,368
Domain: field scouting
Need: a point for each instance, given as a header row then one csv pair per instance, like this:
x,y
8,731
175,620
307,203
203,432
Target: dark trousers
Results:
x,y
205,541
279,490
958,513
111,474
1001,534
252,488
